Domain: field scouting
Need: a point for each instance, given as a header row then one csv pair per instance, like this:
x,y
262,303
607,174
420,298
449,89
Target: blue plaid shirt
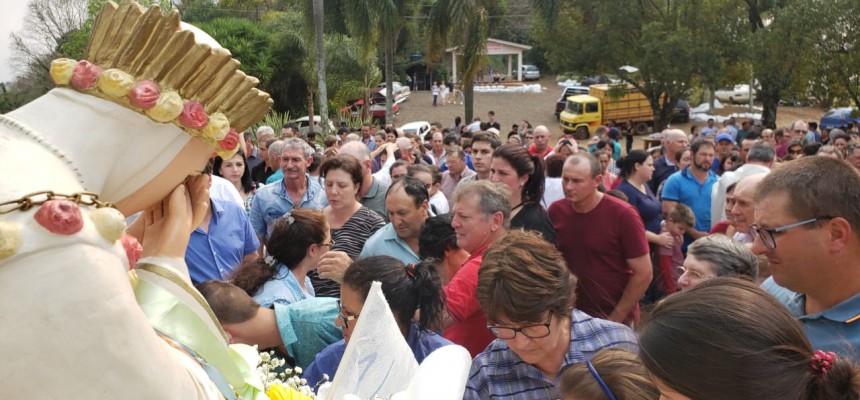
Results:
x,y
498,373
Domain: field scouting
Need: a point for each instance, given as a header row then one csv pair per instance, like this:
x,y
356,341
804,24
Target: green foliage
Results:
x,y
248,41
274,119
77,41
354,121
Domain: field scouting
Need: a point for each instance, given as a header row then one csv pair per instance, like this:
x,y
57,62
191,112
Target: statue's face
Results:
x,y
189,161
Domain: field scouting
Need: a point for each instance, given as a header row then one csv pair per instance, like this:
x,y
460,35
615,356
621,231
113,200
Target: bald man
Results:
x,y
674,141
541,146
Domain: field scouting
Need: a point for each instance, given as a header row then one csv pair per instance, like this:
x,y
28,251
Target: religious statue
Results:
x,y
126,126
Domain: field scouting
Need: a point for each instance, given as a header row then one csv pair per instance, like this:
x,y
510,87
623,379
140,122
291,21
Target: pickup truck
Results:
x,y
565,93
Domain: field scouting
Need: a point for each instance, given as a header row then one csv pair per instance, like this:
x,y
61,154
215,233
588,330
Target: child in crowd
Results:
x,y
669,259
612,373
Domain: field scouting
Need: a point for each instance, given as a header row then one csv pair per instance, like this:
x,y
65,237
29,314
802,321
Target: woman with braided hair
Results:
x,y
728,339
407,288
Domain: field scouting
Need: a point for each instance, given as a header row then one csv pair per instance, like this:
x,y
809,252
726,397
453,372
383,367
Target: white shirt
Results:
x,y
552,191
440,203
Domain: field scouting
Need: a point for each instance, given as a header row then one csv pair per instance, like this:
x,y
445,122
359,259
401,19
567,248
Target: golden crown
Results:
x,y
142,59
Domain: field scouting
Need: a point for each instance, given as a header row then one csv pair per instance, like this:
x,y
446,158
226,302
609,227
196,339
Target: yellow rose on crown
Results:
x,y
115,83
167,108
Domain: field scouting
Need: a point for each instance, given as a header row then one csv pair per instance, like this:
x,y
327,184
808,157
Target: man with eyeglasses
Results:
x,y
798,129
807,222
527,294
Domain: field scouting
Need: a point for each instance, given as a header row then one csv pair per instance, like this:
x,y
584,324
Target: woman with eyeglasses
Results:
x,y
716,255
527,294
298,240
407,288
351,222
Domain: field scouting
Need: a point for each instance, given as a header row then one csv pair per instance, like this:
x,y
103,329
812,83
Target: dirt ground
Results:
x,y
539,109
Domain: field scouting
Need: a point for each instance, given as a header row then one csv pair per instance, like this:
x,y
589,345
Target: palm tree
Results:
x,y
370,19
466,23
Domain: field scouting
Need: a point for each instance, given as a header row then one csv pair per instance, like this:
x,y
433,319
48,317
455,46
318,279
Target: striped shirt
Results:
x,y
349,239
498,373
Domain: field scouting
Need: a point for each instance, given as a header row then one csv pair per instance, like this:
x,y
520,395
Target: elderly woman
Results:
x,y
716,255
527,294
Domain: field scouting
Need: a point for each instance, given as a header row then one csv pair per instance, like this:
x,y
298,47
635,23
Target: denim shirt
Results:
x,y
284,289
273,201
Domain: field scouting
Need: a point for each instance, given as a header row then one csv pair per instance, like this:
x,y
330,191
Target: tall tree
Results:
x,y
318,15
780,48
375,21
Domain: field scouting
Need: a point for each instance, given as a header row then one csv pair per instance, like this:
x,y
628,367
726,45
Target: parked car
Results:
x,y
737,94
530,73
594,80
682,111
420,128
376,111
561,103
401,92
303,124
839,118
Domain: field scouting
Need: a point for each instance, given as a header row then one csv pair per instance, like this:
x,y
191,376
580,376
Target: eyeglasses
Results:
x,y
799,131
693,274
329,244
798,151
768,236
344,318
531,331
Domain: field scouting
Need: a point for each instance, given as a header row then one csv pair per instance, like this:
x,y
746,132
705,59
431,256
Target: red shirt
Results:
x,y
534,151
470,330
596,246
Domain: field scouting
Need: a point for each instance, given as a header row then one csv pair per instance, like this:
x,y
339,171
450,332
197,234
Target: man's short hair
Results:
x,y
486,137
265,130
437,236
230,304
413,187
277,147
435,173
816,187
522,276
356,149
726,256
451,139
492,198
555,165
761,152
461,154
298,144
593,162
699,143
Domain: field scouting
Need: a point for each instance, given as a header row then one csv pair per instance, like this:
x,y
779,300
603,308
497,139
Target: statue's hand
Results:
x,y
168,224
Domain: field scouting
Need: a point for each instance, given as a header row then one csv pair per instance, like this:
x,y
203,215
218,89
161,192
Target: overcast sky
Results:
x,y
11,20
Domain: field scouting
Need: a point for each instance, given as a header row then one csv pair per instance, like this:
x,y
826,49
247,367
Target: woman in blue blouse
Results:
x,y
636,170
407,288
298,240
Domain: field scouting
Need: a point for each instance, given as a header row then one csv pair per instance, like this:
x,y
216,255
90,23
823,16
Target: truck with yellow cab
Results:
x,y
585,112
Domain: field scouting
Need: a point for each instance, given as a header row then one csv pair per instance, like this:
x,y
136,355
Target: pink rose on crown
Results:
x,y
85,75
193,115
144,94
230,141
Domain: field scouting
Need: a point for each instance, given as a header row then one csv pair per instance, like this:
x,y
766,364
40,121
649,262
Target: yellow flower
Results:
x,y
280,392
168,107
115,83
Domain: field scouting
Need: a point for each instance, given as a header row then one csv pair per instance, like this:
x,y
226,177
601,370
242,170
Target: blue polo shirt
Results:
x,y
272,201
684,188
835,329
214,255
385,242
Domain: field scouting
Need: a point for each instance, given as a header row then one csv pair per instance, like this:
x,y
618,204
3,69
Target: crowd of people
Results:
x,y
722,263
